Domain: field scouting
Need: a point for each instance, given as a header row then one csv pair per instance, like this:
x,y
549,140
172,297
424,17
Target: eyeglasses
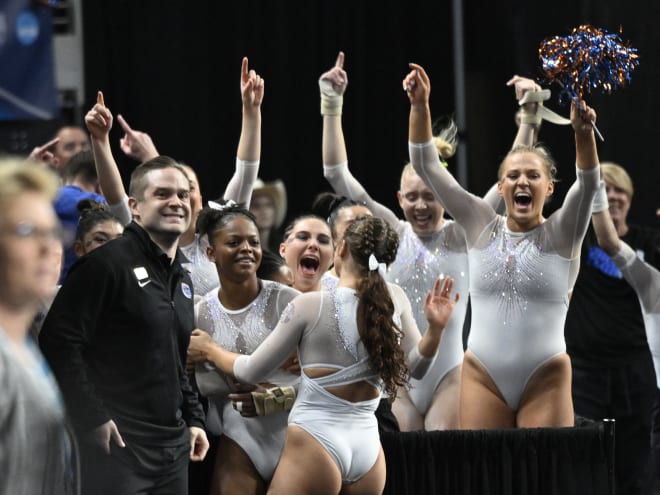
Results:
x,y
27,230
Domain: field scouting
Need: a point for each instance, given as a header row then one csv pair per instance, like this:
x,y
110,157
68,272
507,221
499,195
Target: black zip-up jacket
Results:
x,y
116,338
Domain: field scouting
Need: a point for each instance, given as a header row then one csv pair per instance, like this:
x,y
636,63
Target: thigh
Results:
x,y
406,413
371,483
443,413
481,406
234,472
103,474
546,401
305,467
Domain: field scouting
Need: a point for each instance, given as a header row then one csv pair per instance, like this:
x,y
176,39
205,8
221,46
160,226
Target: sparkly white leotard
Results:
x,y
519,282
419,261
323,326
645,279
262,438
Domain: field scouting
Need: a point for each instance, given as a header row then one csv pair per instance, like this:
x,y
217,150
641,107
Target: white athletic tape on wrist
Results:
x,y
331,101
539,96
600,203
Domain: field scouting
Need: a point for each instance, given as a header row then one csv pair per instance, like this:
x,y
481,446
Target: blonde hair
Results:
x,y
617,175
538,150
18,176
445,143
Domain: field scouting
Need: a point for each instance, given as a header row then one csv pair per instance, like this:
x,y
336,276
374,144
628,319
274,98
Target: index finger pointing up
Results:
x,y
99,98
340,60
244,69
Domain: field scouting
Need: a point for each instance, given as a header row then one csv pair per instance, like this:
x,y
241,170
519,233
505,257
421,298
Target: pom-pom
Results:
x,y
589,58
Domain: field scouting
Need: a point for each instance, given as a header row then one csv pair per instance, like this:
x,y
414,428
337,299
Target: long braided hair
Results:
x,y
367,236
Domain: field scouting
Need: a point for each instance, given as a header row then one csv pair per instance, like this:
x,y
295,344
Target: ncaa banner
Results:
x,y
27,79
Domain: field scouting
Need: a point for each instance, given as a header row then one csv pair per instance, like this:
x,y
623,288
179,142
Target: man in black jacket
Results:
x,y
116,337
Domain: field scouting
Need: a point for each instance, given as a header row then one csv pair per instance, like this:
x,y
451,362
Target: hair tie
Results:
x,y
217,206
375,265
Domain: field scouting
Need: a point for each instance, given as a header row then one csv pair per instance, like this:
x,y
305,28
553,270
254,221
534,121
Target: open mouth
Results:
x,y
309,265
522,199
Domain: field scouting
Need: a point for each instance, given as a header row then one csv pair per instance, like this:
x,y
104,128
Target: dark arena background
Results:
x,y
172,70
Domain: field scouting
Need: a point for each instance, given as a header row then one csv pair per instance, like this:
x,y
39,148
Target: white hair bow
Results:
x,y
375,265
218,206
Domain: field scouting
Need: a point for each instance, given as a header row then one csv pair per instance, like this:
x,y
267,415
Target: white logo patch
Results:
x,y
141,275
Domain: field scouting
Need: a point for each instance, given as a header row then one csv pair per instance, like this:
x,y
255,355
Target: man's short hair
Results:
x,y
82,166
138,183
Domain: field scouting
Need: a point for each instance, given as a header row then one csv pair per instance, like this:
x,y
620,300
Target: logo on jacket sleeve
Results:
x,y
185,288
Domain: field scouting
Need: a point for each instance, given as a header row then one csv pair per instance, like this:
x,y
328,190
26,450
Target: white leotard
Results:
x,y
323,326
519,282
419,261
242,330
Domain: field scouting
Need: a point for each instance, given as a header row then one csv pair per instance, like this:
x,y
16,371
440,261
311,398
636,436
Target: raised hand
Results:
x,y
99,119
136,144
583,117
522,85
417,85
252,86
439,304
43,154
336,78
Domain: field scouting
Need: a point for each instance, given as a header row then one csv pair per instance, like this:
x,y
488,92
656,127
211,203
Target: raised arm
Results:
x,y
528,123
99,122
568,225
602,222
248,154
471,212
332,85
136,144
438,307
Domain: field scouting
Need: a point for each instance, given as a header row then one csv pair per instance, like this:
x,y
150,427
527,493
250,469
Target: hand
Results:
x,y
337,76
136,144
252,87
43,154
521,85
583,117
439,306
199,443
242,399
106,433
99,119
199,343
292,365
417,85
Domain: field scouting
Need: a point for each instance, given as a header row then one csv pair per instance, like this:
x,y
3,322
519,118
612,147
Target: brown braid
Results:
x,y
378,332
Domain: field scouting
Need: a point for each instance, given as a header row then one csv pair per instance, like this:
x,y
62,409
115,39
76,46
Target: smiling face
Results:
x,y
164,208
29,250
524,185
419,205
619,203
308,250
236,250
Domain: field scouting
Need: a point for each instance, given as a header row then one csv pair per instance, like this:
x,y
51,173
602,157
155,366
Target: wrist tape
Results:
x,y
273,400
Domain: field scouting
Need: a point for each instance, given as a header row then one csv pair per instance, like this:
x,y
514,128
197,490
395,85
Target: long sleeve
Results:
x,y
471,212
644,278
239,188
417,364
344,183
568,225
67,332
300,314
